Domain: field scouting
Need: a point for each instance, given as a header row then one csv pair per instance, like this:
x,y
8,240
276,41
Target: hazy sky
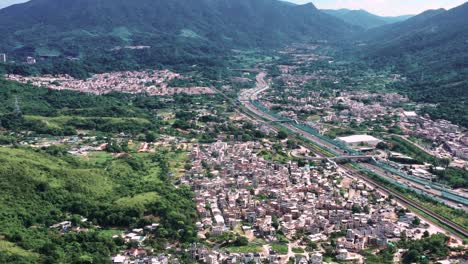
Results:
x,y
379,7
4,3
385,7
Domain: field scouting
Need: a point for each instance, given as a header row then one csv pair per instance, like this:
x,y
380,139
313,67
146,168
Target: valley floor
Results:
x,y
294,158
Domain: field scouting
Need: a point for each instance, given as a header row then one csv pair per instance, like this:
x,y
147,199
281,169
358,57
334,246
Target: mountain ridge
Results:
x,y
59,25
422,31
363,18
431,49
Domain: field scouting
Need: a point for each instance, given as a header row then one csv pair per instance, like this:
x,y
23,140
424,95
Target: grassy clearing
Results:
x,y
60,121
408,148
187,33
109,233
10,249
47,51
238,230
298,250
122,33
245,249
98,157
250,58
56,172
280,248
278,156
177,162
139,200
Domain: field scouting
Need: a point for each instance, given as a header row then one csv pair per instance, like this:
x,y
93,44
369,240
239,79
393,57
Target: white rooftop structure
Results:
x,y
359,139
119,259
410,114
219,219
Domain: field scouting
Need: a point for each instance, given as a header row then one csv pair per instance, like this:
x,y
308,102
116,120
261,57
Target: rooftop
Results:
x,y
358,138
410,114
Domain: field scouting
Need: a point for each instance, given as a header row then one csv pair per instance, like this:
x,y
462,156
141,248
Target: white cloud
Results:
x,y
385,7
5,3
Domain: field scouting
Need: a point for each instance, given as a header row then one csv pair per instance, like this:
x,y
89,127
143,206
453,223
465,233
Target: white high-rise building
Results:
x,y
2,57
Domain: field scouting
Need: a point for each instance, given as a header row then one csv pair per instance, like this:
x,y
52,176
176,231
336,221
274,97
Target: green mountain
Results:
x,y
173,28
419,24
396,19
40,189
363,18
436,40
432,50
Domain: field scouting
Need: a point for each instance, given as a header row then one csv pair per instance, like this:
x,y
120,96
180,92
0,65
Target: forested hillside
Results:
x,y
44,186
174,32
363,18
432,50
211,127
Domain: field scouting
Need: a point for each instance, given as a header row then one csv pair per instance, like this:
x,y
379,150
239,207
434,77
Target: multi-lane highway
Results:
x,y
248,96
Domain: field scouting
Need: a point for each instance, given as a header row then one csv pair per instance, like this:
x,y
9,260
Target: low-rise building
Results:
x,y
360,140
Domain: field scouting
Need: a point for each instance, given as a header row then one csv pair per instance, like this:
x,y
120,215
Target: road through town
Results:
x,y
248,96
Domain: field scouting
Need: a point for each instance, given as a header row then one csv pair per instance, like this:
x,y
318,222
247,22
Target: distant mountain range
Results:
x,y
363,18
438,37
77,27
189,32
431,49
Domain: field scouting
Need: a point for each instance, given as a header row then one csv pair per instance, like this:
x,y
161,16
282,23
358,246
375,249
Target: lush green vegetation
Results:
x,y
434,62
235,243
244,249
39,190
43,187
454,177
384,256
280,248
425,250
177,32
58,113
446,91
48,112
279,156
363,18
420,156
298,250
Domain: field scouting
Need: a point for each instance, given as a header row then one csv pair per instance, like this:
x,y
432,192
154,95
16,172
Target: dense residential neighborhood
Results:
x,y
291,205
276,199
149,82
233,132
